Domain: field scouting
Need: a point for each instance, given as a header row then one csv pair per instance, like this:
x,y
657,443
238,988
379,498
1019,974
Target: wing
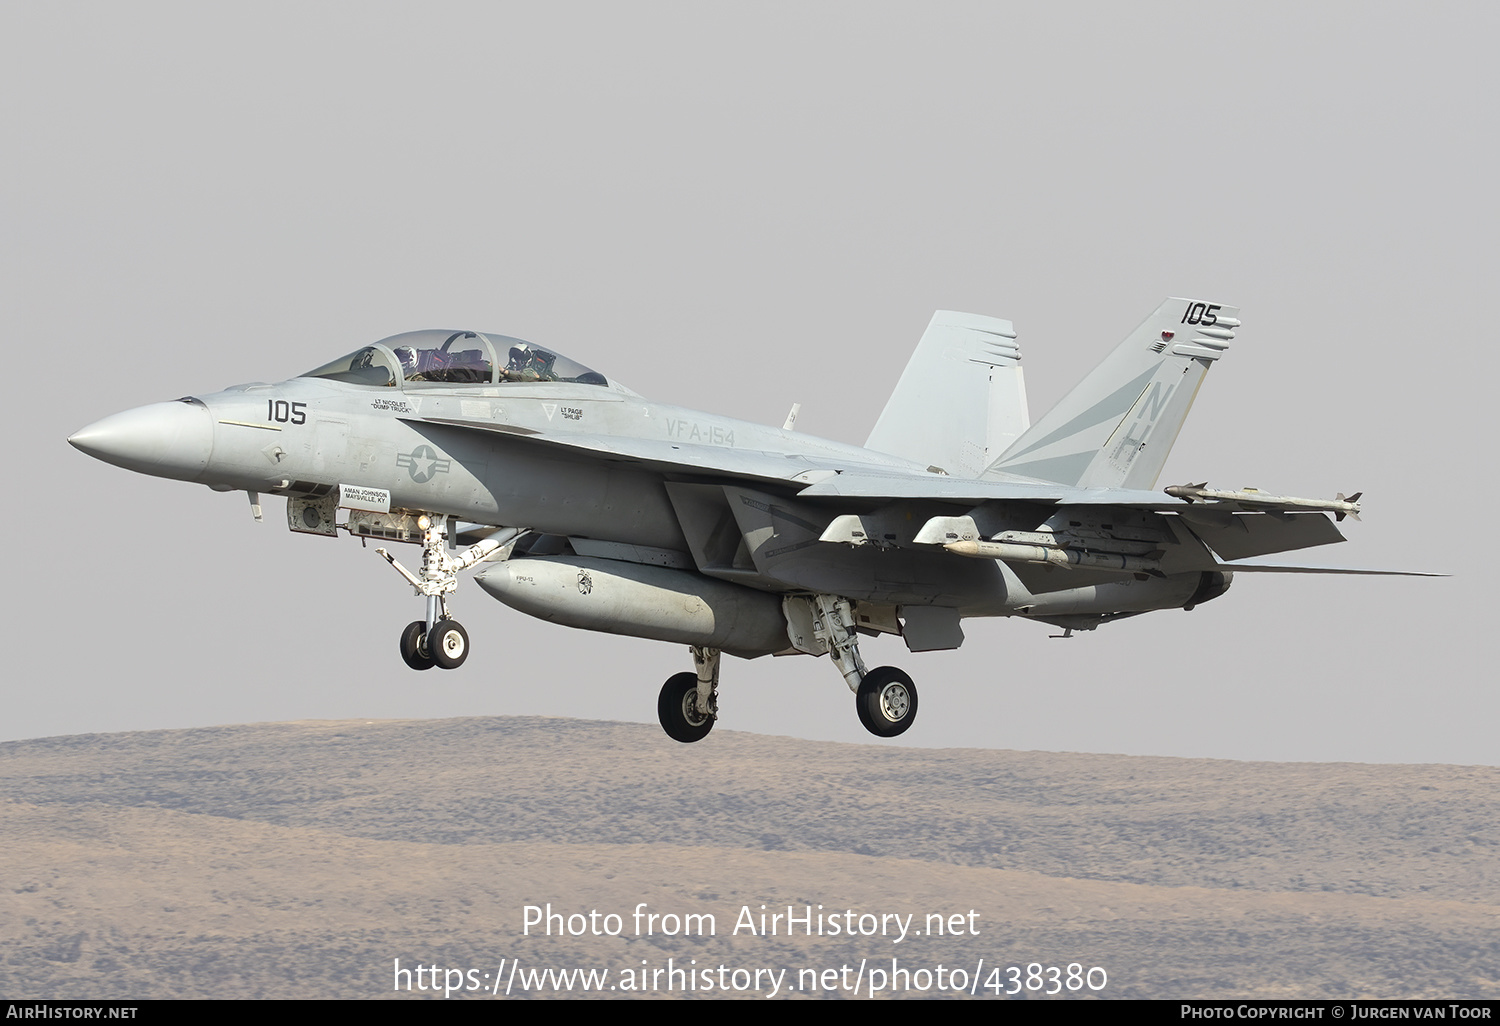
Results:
x,y
812,475
1192,529
890,484
1232,525
796,469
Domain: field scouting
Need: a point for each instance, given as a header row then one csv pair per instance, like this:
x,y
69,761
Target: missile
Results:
x,y
1340,507
1055,556
640,601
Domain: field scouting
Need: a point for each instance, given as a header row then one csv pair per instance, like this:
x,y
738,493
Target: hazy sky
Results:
x,y
738,207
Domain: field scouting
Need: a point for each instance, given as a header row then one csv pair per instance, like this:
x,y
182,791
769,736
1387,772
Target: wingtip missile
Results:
x,y
1189,492
1255,499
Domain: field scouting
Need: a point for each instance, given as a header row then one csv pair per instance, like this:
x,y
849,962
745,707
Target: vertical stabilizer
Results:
x,y
961,400
1115,429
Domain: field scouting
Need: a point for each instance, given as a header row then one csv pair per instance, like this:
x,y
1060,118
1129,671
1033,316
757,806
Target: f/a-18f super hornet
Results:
x,y
582,503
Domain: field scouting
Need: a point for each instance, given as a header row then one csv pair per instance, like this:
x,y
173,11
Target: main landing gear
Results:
x,y
884,698
440,640
886,701
689,702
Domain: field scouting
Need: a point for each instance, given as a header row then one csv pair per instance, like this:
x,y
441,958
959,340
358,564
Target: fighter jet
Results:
x,y
582,503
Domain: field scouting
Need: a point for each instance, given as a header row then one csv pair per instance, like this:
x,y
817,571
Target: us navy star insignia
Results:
x,y
422,463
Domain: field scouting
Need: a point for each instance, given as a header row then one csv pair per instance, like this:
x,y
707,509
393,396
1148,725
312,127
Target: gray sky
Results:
x,y
738,207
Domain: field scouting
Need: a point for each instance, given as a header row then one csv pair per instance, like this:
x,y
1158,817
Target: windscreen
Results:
x,y
372,365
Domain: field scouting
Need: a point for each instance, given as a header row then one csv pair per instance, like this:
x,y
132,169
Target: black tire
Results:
x,y
677,708
886,701
414,646
449,644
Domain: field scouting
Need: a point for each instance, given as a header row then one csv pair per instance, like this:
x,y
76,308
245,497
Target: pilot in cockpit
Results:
x,y
530,365
408,357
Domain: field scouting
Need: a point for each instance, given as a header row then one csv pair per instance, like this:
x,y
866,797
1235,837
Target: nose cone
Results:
x,y
164,439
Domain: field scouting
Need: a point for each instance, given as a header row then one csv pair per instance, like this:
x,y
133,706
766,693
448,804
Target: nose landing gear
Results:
x,y
440,640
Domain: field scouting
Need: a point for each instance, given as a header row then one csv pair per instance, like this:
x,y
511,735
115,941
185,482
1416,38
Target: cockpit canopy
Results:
x,y
454,358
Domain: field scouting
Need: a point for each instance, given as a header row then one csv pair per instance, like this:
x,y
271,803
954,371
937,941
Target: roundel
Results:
x,y
422,463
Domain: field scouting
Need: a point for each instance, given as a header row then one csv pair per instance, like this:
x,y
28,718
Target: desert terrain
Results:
x,y
303,860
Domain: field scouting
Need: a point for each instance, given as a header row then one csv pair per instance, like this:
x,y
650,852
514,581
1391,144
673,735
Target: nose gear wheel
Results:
x,y
414,646
449,644
440,640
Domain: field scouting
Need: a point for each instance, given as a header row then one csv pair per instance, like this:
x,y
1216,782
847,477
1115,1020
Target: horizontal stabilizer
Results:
x,y
1263,568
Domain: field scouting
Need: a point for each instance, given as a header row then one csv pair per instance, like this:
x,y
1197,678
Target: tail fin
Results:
x,y
1115,429
961,400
